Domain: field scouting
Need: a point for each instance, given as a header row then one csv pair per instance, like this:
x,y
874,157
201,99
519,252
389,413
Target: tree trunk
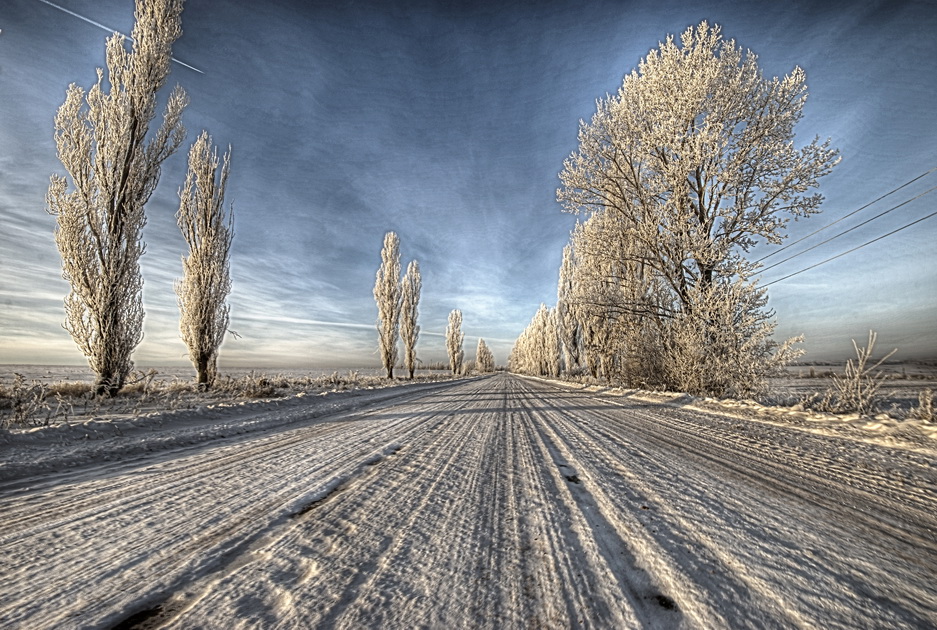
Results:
x,y
112,374
203,371
108,384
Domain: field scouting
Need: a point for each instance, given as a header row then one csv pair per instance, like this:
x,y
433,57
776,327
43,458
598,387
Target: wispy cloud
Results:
x,y
303,321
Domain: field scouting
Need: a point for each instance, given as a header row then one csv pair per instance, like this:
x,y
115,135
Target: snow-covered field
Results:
x,y
50,374
899,392
490,502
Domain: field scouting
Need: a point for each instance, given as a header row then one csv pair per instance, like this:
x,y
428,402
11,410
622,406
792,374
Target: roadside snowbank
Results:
x,y
114,436
879,429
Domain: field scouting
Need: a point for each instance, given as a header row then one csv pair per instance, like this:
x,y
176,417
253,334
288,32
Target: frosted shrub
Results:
x,y
925,409
857,390
253,385
25,401
722,346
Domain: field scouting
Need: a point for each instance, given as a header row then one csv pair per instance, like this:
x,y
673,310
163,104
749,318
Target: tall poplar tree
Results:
x,y
387,297
206,283
101,139
454,339
410,288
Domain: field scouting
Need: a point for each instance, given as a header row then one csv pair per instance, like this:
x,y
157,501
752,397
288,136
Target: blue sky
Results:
x,y
448,123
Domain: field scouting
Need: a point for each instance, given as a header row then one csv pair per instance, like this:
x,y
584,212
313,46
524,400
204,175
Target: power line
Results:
x,y
851,250
891,192
855,227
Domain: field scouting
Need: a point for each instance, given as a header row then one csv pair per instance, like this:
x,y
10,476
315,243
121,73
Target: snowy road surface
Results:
x,y
498,502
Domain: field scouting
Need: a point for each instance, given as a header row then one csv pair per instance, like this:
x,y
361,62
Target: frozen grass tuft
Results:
x,y
925,409
25,404
857,390
23,400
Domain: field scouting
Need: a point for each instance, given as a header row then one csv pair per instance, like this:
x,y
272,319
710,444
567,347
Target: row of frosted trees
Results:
x,y
678,176
113,165
397,302
101,139
537,350
484,358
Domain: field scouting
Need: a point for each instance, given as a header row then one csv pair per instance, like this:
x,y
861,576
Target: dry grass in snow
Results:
x,y
37,396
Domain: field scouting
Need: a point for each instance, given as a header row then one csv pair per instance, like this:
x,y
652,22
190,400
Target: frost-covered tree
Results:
x,y
387,297
691,163
615,302
696,152
566,323
552,355
454,339
537,350
101,139
484,359
206,281
410,288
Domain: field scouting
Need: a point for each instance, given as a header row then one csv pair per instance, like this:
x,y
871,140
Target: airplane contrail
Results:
x,y
109,30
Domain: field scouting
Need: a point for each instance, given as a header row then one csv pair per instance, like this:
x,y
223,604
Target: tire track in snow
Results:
x,y
477,505
165,527
660,549
643,574
250,550
701,489
353,550
497,503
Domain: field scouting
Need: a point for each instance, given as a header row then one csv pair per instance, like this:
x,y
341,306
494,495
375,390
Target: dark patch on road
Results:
x,y
666,602
143,619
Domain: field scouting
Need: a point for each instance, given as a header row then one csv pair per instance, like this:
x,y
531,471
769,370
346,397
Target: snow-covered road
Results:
x,y
497,502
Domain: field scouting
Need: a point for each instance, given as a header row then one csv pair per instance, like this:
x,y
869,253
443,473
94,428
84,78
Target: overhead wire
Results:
x,y
846,216
844,232
823,262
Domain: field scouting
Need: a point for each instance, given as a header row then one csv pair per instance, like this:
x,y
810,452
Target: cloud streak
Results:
x,y
317,322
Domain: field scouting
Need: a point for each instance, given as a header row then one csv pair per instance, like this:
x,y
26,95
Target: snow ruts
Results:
x,y
498,502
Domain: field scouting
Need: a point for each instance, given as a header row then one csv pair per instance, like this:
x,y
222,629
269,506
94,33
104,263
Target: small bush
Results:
x,y
925,409
139,383
857,389
819,402
25,401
